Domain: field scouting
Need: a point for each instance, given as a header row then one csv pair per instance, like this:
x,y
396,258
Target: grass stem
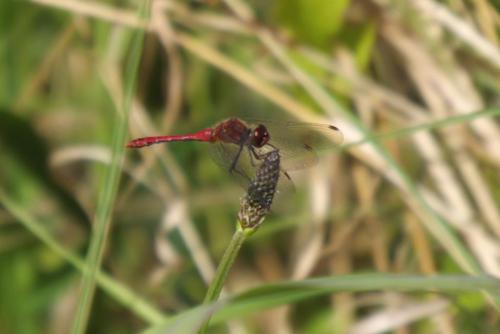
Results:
x,y
225,265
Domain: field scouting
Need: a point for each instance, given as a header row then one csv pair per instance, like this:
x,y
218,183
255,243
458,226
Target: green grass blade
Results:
x,y
109,190
276,294
121,293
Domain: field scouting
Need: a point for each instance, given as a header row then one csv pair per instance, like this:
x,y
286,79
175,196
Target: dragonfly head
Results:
x,y
260,136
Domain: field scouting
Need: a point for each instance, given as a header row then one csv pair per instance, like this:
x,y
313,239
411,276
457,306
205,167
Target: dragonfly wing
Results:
x,y
244,172
293,157
224,154
321,135
301,142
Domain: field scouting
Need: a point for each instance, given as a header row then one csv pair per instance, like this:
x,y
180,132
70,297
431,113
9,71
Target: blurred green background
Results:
x,y
412,202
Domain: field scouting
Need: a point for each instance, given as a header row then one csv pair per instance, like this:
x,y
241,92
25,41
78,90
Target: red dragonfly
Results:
x,y
239,146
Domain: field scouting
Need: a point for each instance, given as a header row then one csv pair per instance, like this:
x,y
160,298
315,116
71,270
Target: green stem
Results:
x,y
225,265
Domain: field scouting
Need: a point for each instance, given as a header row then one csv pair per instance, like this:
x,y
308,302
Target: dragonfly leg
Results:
x,y
235,160
253,155
258,156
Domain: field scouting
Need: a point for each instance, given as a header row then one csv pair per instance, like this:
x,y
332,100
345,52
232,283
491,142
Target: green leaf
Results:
x,y
276,294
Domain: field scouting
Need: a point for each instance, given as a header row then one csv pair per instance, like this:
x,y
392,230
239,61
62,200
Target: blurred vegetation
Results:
x,y
421,202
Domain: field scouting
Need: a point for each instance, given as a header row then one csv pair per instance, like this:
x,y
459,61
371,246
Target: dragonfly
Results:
x,y
239,146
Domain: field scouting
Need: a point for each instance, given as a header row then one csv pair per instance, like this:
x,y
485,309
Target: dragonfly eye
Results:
x,y
260,136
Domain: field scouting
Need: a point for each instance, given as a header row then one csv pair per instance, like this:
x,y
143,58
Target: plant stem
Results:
x,y
225,265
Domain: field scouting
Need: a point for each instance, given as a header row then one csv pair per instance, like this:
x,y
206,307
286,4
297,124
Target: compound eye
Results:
x,y
260,136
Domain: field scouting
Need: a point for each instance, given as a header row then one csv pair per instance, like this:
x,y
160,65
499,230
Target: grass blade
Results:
x,y
275,294
121,293
108,192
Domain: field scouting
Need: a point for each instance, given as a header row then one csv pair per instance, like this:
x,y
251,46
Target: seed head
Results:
x,y
256,203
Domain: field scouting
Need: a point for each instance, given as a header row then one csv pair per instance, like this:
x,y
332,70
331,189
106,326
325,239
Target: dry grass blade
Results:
x,y
460,29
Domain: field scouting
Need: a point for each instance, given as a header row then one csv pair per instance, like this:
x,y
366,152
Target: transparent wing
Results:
x,y
299,143
224,154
